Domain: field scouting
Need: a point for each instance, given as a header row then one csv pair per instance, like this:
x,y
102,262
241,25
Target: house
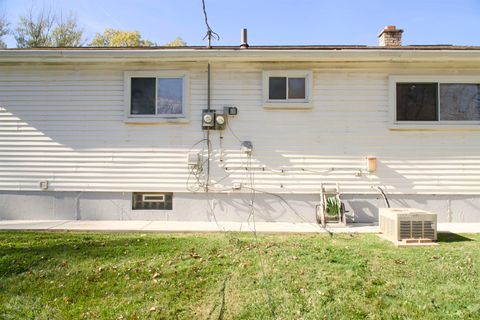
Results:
x,y
125,133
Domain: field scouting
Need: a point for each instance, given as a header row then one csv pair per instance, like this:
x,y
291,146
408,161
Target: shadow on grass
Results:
x,y
451,237
78,247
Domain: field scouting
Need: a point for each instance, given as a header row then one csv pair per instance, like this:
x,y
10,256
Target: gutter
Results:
x,y
223,55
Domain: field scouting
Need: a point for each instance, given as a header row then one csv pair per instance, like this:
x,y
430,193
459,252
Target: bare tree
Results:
x,y
33,31
67,33
3,30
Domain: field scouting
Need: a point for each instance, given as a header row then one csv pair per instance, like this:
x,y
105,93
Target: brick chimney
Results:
x,y
390,37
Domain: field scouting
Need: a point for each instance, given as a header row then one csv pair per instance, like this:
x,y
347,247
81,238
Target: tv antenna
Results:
x,y
210,33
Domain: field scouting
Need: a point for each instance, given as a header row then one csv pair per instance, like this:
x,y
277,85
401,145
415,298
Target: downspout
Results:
x,y
208,130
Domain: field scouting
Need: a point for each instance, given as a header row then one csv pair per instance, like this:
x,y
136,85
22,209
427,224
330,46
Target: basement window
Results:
x,y
155,97
435,102
152,201
287,89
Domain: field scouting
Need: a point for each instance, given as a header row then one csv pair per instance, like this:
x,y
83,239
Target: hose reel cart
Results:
x,y
331,209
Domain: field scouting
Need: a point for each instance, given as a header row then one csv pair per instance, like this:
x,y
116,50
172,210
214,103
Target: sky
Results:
x,y
271,22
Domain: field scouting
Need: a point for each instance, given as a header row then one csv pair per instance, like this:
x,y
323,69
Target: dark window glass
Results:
x,y
277,88
459,101
142,96
296,88
166,202
417,102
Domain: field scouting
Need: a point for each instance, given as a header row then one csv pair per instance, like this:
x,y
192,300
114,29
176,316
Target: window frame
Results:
x,y
428,125
156,118
143,195
288,103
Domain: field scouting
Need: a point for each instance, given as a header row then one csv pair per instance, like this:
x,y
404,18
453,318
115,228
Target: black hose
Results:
x,y
384,196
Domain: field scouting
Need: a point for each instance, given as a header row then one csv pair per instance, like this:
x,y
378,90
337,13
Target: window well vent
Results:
x,y
152,201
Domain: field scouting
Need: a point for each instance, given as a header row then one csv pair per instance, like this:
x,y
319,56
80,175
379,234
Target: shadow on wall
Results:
x,y
267,208
448,208
364,208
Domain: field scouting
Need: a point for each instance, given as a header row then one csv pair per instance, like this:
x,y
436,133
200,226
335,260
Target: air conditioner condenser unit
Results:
x,y
408,226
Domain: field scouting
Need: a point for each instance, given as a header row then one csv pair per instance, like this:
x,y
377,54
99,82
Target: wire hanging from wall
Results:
x,y
210,33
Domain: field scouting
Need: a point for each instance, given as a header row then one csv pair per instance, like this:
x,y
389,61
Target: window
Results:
x,y
287,89
417,102
152,201
153,97
435,101
283,88
142,96
459,102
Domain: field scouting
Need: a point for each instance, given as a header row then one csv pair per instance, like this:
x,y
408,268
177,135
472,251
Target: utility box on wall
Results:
x,y
215,120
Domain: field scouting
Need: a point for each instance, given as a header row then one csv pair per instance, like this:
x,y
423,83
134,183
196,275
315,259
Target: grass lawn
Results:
x,y
235,276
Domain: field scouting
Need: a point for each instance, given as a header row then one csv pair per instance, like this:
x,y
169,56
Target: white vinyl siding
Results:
x,y
65,125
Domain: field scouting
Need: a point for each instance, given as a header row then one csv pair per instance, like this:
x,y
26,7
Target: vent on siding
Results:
x,y
152,201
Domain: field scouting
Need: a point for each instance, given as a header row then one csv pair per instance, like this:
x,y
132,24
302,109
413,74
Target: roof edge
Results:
x,y
257,54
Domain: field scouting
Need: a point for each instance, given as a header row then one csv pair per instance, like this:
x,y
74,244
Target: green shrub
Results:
x,y
333,206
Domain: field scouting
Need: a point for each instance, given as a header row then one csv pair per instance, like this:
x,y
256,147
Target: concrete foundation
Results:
x,y
233,207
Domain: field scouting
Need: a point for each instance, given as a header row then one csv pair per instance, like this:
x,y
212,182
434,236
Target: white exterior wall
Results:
x,y
64,124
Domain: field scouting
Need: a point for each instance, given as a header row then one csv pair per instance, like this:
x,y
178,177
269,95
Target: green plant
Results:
x,y
333,206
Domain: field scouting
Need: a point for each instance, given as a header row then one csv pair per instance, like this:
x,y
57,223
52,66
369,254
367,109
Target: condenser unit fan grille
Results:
x,y
416,230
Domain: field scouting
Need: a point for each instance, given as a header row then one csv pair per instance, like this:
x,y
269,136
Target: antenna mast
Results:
x,y
210,33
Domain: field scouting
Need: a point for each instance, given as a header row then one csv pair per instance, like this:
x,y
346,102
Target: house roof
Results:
x,y
267,47
253,53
